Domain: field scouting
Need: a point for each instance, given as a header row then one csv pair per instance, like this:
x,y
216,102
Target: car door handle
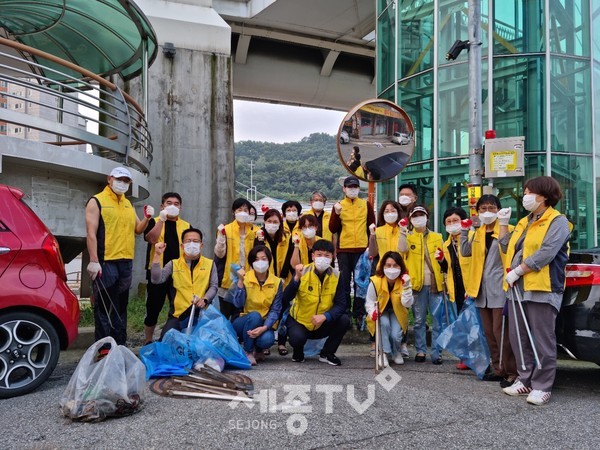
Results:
x,y
4,250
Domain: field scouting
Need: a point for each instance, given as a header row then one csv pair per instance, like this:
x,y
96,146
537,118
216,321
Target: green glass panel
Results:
x,y
454,174
519,99
415,37
386,47
453,107
518,26
415,96
574,173
571,106
570,27
386,190
421,175
453,25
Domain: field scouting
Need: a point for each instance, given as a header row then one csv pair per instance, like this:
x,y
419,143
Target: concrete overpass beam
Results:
x,y
330,58
241,52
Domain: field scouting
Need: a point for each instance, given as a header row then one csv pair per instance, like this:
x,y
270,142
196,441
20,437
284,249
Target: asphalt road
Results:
x,y
427,406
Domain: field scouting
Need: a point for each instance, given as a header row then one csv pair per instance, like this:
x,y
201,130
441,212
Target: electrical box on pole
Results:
x,y
504,157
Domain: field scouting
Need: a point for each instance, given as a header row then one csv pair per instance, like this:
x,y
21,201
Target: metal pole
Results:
x,y
475,108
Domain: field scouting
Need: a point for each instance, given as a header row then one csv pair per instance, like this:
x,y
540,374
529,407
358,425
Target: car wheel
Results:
x,y
29,350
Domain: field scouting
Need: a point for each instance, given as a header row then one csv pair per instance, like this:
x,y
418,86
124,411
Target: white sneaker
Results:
x,y
384,360
404,351
398,359
537,397
517,388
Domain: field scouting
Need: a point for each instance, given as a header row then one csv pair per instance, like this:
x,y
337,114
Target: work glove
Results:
x,y
221,234
504,215
260,235
403,224
162,216
439,254
338,208
375,316
94,269
296,240
513,275
372,228
148,211
466,224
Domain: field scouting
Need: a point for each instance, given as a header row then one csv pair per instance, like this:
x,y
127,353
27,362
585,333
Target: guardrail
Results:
x,y
122,134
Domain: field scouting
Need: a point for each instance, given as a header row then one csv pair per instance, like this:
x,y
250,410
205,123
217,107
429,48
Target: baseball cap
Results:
x,y
351,181
119,172
418,209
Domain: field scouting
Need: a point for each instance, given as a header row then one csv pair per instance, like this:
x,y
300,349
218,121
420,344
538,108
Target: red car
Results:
x,y
39,314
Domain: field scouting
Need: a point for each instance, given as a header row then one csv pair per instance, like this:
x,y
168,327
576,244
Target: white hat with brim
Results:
x,y
120,172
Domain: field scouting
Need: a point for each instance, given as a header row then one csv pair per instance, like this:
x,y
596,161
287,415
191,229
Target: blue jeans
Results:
x,y
426,301
248,322
391,332
111,296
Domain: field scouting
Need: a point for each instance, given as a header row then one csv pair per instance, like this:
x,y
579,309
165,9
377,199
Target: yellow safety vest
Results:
x,y
325,222
387,238
415,258
260,298
181,226
464,263
185,286
354,223
232,233
303,248
532,281
281,249
313,297
118,217
478,254
383,297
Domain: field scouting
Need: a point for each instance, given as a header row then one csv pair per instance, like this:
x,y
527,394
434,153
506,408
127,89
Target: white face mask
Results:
x,y
322,263
260,266
271,228
453,229
172,211
309,233
119,187
391,273
391,217
404,200
488,217
318,206
242,217
291,216
529,202
191,248
352,192
419,222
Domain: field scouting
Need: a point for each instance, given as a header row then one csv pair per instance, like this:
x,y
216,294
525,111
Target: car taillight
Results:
x,y
582,274
52,251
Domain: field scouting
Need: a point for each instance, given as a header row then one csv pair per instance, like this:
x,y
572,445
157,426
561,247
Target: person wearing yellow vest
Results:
x,y
167,228
234,242
319,307
537,252
194,278
453,263
291,212
351,218
303,243
418,250
258,295
384,237
317,209
484,284
390,287
111,225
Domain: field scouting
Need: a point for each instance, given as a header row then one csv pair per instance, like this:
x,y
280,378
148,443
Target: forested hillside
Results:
x,y
293,170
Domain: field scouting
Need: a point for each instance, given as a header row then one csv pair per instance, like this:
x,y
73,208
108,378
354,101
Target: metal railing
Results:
x,y
123,133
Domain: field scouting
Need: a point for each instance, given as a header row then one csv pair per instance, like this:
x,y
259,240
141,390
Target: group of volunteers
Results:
x,y
279,281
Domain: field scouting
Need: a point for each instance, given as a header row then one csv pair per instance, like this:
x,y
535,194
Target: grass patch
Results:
x,y
136,311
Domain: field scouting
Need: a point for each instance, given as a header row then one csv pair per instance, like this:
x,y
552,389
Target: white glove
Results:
x,y
338,208
162,216
221,237
504,215
407,295
372,228
94,269
148,211
403,225
296,240
514,275
260,235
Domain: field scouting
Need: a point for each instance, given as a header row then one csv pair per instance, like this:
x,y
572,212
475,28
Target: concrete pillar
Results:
x,y
190,115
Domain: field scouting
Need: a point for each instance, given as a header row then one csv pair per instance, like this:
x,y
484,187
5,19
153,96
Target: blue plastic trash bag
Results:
x,y
362,273
465,339
228,297
445,313
163,360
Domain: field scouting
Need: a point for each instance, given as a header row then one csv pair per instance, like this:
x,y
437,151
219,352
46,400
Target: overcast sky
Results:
x,y
281,123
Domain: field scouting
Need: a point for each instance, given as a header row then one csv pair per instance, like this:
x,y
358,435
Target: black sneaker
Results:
x,y
438,361
298,357
504,383
330,359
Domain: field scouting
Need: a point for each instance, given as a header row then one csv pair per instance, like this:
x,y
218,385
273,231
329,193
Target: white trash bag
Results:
x,y
109,386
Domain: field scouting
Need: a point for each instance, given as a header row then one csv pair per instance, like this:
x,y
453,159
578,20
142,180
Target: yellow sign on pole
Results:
x,y
503,161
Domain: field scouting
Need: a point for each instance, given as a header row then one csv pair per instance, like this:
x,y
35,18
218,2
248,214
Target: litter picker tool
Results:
x,y
519,300
378,346
514,308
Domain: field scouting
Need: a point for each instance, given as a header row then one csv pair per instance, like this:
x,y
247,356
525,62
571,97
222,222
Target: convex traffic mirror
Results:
x,y
376,140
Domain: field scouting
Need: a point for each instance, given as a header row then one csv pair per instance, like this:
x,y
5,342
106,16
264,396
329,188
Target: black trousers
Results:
x,y
155,300
347,263
298,334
